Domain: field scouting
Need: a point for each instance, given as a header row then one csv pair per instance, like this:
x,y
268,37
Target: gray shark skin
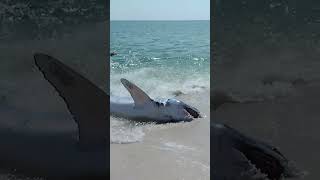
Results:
x,y
143,108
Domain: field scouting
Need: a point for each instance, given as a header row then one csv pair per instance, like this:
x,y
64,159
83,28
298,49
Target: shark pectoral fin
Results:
x,y
139,96
86,102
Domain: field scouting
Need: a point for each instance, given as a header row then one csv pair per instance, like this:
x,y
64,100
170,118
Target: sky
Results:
x,y
159,9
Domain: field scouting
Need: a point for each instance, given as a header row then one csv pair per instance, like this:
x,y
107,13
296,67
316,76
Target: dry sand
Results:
x,y
169,151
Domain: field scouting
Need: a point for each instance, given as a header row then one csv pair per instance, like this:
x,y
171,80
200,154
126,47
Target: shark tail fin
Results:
x,y
87,103
139,96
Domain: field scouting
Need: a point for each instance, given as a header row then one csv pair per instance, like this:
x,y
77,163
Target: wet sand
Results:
x,y
169,151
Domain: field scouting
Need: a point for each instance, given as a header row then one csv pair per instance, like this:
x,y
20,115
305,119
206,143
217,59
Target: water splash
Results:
x,y
123,132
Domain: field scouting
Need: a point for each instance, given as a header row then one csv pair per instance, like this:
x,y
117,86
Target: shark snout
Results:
x,y
195,113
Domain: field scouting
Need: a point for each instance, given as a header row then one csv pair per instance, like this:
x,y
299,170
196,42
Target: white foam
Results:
x,y
179,147
159,84
121,132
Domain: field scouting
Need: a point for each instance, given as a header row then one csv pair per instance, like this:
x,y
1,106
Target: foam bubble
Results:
x,y
158,83
122,132
179,147
159,78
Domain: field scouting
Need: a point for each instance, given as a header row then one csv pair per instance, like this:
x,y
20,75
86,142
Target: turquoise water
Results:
x,y
160,56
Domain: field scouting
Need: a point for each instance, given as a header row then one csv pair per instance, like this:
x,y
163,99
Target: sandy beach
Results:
x,y
166,59
168,151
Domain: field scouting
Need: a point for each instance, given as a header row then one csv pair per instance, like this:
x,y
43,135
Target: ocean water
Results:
x,y
160,56
167,59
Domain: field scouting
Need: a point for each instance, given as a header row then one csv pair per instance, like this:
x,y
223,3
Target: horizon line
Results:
x,y
159,19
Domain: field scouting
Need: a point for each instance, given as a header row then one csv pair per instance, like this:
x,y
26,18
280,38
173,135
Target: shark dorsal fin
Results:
x,y
139,96
87,103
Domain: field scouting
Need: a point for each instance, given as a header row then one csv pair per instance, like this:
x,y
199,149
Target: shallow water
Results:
x,y
165,59
182,150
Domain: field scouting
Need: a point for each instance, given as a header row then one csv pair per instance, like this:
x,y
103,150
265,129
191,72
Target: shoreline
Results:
x,y
182,150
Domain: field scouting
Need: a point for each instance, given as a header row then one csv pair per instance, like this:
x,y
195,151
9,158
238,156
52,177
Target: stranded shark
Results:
x,y
89,104
81,153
